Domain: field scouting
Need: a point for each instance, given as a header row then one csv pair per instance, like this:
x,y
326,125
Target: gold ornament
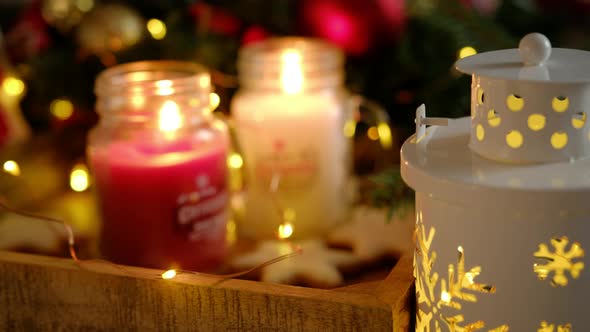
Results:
x,y
559,261
65,14
110,28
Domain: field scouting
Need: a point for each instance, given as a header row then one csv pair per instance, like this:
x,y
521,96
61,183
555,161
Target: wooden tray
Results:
x,y
55,294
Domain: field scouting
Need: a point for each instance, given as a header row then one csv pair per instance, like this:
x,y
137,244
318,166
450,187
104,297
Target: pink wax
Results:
x,y
162,206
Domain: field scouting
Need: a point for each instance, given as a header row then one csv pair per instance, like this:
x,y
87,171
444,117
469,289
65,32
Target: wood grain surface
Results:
x,y
39,293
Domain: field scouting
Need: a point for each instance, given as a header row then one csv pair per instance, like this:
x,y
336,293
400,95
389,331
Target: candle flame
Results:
x,y
169,274
292,73
170,118
79,180
11,167
285,231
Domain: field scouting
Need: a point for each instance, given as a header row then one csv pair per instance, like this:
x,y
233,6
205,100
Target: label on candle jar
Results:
x,y
201,212
297,168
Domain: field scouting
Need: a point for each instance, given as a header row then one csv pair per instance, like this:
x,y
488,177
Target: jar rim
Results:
x,y
311,49
142,76
262,65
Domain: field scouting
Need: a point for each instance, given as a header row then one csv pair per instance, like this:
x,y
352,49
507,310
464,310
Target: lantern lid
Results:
x,y
534,60
438,161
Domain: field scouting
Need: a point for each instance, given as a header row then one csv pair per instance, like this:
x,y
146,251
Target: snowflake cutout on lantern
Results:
x,y
546,327
452,291
559,261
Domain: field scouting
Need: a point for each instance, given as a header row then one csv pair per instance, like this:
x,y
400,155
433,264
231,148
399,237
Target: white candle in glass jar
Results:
x,y
297,160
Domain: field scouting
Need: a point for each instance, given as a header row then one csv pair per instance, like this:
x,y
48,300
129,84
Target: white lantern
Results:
x,y
502,222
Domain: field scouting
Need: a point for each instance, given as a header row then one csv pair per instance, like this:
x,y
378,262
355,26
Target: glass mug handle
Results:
x,y
373,114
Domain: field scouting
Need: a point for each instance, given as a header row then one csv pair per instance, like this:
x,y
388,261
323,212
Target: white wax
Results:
x,y
300,138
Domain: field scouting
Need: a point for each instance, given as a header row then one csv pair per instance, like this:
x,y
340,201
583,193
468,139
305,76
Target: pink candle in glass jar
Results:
x,y
159,161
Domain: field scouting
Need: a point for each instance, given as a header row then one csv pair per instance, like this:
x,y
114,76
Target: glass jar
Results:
x,y
159,163
289,115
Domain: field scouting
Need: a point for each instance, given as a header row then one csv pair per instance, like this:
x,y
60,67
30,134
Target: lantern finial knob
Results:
x,y
534,49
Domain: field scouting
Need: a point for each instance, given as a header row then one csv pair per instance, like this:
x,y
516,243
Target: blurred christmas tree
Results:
x,y
400,53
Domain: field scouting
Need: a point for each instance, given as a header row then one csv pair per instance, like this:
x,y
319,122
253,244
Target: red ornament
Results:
x,y
215,19
28,36
354,25
254,34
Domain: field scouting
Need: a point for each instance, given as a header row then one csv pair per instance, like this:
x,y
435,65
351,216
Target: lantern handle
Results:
x,y
422,121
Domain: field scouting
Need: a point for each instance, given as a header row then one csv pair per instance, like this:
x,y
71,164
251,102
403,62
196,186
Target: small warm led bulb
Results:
x,y
235,161
169,274
285,231
156,28
11,167
466,51
13,86
214,100
61,108
79,179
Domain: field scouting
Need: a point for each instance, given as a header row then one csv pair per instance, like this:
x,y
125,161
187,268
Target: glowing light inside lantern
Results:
x,y
514,139
373,133
479,132
13,86
235,161
11,167
285,231
292,73
559,140
79,180
579,120
169,117
384,135
466,51
61,109
214,100
156,28
169,274
349,128
536,122
85,5
445,296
